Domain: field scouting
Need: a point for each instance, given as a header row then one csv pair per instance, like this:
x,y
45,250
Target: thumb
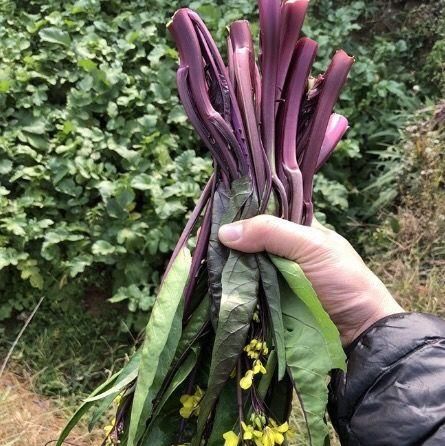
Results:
x,y
274,235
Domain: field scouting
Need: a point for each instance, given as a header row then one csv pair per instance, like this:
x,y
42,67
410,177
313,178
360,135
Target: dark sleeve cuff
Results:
x,y
395,381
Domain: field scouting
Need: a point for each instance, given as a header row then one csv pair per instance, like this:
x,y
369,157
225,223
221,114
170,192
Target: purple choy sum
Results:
x,y
322,97
288,119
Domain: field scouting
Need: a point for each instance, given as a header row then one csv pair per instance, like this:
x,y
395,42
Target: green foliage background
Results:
x,y
98,165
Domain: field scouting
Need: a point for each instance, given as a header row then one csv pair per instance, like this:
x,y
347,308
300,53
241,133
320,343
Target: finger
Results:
x,y
274,235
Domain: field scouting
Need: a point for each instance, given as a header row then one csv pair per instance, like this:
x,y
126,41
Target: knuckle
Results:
x,y
263,227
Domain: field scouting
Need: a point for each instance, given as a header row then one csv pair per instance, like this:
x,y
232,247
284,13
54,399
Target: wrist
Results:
x,y
373,305
350,335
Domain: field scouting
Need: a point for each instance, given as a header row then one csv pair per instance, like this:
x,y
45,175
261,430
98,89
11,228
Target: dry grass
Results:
x,y
411,259
28,419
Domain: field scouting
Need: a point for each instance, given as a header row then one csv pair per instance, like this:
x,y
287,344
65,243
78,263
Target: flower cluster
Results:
x,y
254,350
190,403
259,432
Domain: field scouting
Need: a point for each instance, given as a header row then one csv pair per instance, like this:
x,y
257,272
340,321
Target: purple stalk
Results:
x,y
199,254
293,13
222,73
191,223
288,118
223,158
337,127
220,131
279,189
244,67
270,45
334,79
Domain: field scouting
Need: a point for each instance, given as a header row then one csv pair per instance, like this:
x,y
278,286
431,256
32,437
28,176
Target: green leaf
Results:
x,y
269,281
217,253
300,285
310,358
5,166
180,376
156,352
240,282
193,328
226,209
83,409
5,84
142,182
126,376
226,414
87,64
55,35
102,248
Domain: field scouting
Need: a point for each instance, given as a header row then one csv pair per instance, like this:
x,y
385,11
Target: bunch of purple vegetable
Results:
x,y
231,335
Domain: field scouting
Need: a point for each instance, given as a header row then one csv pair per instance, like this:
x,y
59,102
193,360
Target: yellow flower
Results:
x,y
107,429
269,437
246,382
250,433
231,439
280,428
258,367
273,434
190,403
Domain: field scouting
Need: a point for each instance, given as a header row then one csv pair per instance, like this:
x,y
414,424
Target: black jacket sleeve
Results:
x,y
393,393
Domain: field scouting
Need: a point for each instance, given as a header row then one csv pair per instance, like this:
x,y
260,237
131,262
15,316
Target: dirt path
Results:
x,y
28,419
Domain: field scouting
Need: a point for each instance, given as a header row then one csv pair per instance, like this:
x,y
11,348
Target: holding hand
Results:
x,y
349,291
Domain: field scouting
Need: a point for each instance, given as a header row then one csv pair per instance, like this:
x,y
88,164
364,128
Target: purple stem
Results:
x,y
199,254
186,38
277,185
230,67
191,223
288,118
236,115
239,396
292,17
270,46
337,127
334,80
223,158
244,66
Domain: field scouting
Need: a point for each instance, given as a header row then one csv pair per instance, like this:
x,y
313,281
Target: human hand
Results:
x,y
349,291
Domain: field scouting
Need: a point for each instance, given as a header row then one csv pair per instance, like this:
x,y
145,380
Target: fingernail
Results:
x,y
230,233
